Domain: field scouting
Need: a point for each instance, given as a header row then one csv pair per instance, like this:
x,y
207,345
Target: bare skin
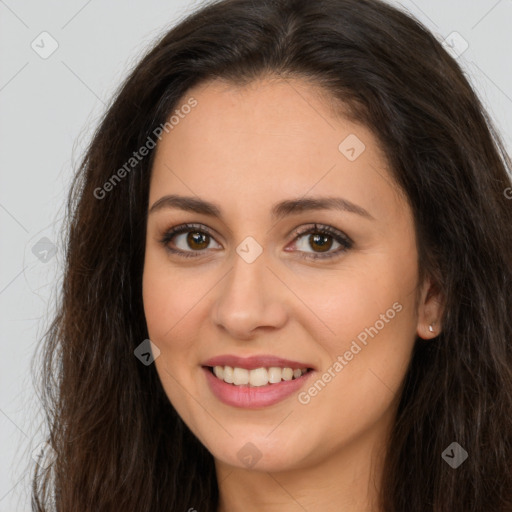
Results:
x,y
246,149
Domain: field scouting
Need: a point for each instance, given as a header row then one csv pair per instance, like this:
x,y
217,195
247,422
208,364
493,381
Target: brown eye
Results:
x,y
320,242
198,240
188,240
318,239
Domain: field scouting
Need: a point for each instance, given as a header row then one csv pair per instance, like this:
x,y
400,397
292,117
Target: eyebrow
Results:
x,y
279,210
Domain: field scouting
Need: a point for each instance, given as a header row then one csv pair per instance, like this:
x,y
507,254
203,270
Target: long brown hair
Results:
x,y
120,445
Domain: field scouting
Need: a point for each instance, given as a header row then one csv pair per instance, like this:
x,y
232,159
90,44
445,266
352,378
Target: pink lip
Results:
x,y
250,363
249,397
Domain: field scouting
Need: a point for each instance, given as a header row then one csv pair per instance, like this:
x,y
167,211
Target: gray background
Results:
x,y
48,109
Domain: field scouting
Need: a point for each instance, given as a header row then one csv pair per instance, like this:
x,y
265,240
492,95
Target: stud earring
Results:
x,y
430,328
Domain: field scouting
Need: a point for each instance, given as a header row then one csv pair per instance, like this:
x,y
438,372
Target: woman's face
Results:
x,y
254,284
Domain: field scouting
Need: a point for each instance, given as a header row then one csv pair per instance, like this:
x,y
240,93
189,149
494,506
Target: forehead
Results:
x,y
266,140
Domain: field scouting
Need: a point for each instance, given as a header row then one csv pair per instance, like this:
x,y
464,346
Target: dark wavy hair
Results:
x,y
120,444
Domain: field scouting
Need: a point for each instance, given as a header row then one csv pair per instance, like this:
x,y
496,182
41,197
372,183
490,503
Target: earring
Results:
x,y
430,328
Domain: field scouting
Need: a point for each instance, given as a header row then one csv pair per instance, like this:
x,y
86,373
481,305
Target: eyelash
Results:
x,y
345,242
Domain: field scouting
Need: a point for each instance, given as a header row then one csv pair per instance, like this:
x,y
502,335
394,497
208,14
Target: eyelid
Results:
x,y
339,236
174,231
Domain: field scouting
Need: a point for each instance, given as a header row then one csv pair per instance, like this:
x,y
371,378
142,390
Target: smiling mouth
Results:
x,y
256,377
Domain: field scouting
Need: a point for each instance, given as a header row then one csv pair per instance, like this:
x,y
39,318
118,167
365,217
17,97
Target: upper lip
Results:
x,y
252,362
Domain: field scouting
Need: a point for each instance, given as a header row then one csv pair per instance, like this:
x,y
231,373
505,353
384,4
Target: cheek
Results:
x,y
351,298
371,313
169,311
169,298
159,305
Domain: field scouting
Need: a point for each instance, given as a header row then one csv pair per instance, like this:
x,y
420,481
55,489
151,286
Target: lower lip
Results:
x,y
253,397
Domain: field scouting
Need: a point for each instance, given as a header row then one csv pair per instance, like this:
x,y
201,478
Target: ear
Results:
x,y
430,310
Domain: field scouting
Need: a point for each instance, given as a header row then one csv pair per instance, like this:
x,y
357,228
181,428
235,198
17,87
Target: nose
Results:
x,y
250,299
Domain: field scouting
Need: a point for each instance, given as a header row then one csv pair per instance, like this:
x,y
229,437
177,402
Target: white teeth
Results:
x,y
287,374
274,374
258,376
240,376
228,374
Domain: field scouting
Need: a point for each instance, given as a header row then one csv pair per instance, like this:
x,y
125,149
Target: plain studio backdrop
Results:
x,y
60,63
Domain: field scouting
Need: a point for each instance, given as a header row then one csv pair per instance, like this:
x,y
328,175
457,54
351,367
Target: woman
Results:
x,y
304,207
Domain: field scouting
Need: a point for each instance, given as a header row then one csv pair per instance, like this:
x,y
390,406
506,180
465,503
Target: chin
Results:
x,y
259,453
